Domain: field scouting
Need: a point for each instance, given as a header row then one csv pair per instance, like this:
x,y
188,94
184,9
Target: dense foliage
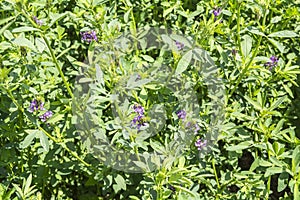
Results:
x,y
218,100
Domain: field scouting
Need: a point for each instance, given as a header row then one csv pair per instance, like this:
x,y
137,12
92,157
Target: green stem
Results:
x,y
238,5
215,172
52,55
58,67
63,145
14,100
252,57
132,139
269,178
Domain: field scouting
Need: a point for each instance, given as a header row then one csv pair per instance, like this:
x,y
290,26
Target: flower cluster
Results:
x,y
37,21
179,45
37,105
272,63
181,114
48,114
216,12
139,119
89,36
200,144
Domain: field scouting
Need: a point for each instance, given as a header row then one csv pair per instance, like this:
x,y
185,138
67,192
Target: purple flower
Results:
x,y
216,12
37,21
89,36
181,114
200,144
273,62
139,119
138,109
46,115
274,59
179,45
36,105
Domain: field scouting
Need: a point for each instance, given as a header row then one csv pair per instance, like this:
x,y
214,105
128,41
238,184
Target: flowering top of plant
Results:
x,y
48,114
139,109
272,63
36,105
37,21
216,12
179,45
200,144
139,119
181,114
89,36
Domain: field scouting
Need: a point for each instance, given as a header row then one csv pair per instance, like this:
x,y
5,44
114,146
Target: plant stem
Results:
x,y
63,145
238,5
14,100
215,172
252,57
58,67
66,83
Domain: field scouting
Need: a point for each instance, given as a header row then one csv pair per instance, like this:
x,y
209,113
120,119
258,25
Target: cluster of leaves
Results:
x,y
257,152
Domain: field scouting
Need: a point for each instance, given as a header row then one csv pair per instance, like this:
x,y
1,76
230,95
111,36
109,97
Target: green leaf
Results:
x,y
147,58
184,62
98,2
255,31
24,42
27,185
126,15
278,127
120,182
8,35
254,165
44,141
19,191
55,118
284,34
28,139
295,159
246,45
288,90
275,104
168,11
273,170
3,21
282,181
40,44
254,103
24,29
56,17
277,44
6,26
240,146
